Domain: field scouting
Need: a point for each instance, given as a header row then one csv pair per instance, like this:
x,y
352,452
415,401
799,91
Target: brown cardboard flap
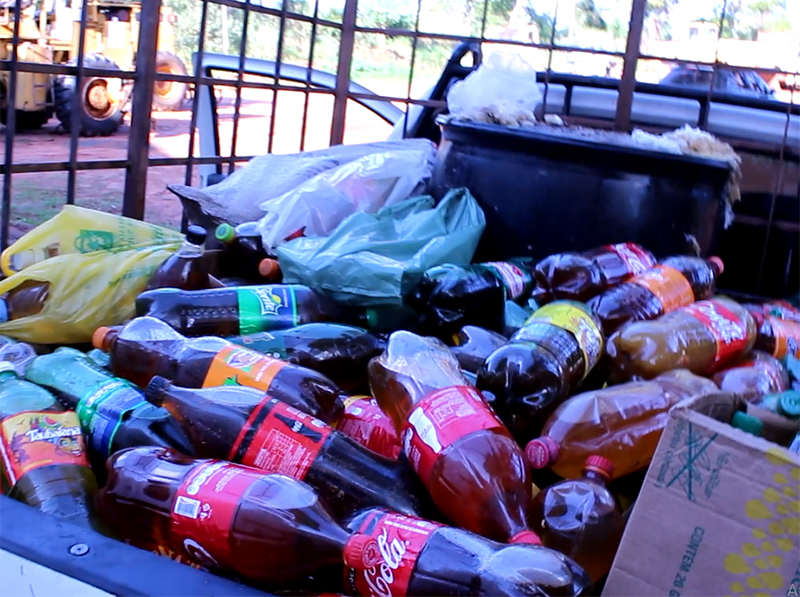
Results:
x,y
719,406
776,428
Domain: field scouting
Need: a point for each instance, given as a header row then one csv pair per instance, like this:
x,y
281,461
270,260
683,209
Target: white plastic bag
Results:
x,y
502,90
318,205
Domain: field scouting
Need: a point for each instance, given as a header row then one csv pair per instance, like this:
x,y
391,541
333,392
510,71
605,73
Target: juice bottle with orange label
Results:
x,y
673,283
44,460
529,376
146,347
778,337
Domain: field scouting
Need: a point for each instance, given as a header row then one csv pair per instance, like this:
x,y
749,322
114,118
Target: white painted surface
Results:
x,y
20,577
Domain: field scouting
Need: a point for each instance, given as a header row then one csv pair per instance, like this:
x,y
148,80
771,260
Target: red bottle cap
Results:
x,y
600,465
542,452
717,262
526,537
361,552
269,268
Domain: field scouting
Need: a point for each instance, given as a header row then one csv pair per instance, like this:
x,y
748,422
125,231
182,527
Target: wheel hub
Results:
x,y
97,98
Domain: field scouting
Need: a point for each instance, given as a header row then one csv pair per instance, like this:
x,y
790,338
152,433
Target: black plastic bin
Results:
x,y
545,192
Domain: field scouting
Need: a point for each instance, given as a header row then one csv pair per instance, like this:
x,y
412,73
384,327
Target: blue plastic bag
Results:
x,y
376,259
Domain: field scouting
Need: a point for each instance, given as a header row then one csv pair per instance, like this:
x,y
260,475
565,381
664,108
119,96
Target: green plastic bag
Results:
x,y
376,259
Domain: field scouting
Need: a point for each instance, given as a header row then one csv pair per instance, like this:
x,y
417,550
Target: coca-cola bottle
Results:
x,y
538,367
365,423
580,276
756,375
673,283
245,426
146,347
450,296
273,529
702,337
245,310
472,345
339,352
185,269
473,469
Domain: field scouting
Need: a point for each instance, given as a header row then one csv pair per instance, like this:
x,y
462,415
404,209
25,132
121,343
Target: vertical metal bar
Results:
x,y
198,71
77,109
239,77
278,60
343,71
11,128
139,138
414,42
307,95
622,121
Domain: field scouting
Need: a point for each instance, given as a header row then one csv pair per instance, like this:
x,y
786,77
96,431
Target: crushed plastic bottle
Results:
x,y
473,344
756,375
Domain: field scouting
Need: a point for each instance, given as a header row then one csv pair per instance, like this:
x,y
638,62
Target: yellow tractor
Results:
x,y
112,32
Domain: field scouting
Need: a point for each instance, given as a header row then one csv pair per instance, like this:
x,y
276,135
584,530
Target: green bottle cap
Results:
x,y
225,233
372,318
747,423
789,404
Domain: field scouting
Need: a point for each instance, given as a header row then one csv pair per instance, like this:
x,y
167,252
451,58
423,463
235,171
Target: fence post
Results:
x,y
343,71
628,82
139,138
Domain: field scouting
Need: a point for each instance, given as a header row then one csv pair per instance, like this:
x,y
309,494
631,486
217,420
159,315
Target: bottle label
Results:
x,y
441,418
635,258
266,308
783,310
728,329
34,439
787,337
237,366
203,512
280,439
577,319
101,412
515,279
669,286
391,554
263,342
368,425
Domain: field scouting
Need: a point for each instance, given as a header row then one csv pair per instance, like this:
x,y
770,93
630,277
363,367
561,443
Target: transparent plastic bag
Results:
x,y
80,230
501,90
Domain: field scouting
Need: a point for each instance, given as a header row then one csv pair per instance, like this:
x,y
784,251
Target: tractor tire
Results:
x,y
94,121
169,95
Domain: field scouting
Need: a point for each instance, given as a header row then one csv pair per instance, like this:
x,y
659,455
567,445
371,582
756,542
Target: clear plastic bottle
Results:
x,y
580,518
185,269
24,300
754,376
473,344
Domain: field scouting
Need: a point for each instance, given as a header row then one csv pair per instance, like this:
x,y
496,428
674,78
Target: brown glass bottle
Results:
x,y
24,300
756,375
580,518
44,461
244,310
473,469
673,283
580,276
146,347
185,269
702,337
243,425
473,344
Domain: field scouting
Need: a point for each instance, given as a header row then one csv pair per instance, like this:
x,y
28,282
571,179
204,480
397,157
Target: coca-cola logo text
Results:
x,y
380,577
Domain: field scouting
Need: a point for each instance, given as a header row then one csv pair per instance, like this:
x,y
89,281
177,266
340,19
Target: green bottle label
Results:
x,y
264,308
102,410
263,342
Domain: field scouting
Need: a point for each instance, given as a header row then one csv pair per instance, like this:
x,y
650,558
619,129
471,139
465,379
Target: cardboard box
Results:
x,y
718,514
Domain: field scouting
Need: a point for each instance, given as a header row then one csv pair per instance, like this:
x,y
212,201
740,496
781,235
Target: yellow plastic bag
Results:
x,y
81,230
85,292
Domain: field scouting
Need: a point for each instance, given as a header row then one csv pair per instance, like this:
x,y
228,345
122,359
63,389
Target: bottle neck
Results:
x,y
595,476
190,250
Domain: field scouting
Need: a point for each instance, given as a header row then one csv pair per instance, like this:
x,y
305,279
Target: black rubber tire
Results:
x,y
169,95
64,93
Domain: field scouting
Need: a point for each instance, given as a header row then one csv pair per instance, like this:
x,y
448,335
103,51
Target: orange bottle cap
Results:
x,y
600,465
718,264
99,336
269,268
526,537
541,452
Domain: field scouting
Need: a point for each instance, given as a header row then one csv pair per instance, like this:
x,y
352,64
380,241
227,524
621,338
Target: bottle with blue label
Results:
x,y
113,413
245,310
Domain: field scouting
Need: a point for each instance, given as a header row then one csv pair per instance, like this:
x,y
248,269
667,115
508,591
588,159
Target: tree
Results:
x,y
730,21
764,9
588,16
657,12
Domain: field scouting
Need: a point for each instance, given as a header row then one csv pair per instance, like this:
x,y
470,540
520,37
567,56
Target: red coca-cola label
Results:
x,y
728,329
388,556
636,259
367,424
278,438
203,512
440,419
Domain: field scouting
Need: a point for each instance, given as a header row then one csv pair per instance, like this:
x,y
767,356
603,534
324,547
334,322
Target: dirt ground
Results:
x,y
38,196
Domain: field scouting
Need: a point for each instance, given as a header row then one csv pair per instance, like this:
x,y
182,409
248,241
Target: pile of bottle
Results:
x,y
264,432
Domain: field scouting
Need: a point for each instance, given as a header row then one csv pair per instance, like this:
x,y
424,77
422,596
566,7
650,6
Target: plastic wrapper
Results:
x,y
377,259
80,230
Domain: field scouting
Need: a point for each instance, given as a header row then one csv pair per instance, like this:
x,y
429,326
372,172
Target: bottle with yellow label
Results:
x,y
534,372
44,461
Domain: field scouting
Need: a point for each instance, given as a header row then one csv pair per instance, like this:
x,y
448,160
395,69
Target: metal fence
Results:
x,y
278,76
